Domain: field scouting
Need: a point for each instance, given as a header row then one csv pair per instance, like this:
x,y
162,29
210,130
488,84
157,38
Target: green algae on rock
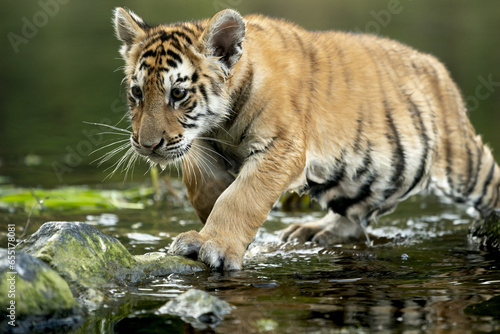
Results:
x,y
32,292
162,264
90,259
83,255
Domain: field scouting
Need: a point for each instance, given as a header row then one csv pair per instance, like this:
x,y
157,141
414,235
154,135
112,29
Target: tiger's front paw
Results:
x,y
216,253
187,244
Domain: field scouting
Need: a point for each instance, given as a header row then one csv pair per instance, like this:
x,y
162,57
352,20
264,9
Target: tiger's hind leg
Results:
x,y
329,230
470,176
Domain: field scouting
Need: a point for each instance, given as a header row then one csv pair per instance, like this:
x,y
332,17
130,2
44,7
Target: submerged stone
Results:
x,y
198,308
488,308
34,296
486,233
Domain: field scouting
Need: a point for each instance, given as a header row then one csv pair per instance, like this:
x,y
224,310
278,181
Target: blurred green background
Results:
x,y
59,67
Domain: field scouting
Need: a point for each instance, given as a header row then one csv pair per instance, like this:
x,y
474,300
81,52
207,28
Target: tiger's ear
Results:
x,y
223,37
128,27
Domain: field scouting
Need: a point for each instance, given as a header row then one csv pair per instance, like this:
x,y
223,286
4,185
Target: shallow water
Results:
x,y
420,275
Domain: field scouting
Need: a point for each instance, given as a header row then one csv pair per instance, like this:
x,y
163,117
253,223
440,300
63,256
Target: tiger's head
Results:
x,y
176,77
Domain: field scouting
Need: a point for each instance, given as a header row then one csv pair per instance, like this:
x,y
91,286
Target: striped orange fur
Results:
x,y
255,106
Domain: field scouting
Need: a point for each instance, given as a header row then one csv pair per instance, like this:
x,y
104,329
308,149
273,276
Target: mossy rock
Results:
x,y
486,233
83,255
32,292
91,260
161,264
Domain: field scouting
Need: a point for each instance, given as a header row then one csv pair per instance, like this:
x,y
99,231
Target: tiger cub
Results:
x,y
254,106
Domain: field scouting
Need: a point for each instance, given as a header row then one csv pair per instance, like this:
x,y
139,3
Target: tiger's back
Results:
x,y
382,121
255,106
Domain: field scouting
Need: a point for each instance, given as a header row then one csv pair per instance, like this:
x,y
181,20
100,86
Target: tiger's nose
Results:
x,y
153,146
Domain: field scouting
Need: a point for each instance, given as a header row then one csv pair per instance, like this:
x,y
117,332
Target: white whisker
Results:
x,y
120,162
213,151
109,126
202,160
217,141
111,153
114,133
108,145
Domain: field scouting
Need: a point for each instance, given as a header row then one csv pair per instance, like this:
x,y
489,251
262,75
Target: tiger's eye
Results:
x,y
136,92
178,94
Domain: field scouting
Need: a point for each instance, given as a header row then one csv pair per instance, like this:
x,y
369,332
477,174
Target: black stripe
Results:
x,y
144,65
479,151
175,56
416,113
341,60
398,156
184,103
479,203
431,71
256,26
255,117
163,37
203,92
149,53
470,165
171,63
194,77
265,149
240,97
359,132
210,112
330,74
192,107
317,189
300,42
184,27
193,118
279,29
215,87
170,38
159,83
313,68
186,125
341,204
448,155
313,62
183,35
365,165
474,175
494,196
